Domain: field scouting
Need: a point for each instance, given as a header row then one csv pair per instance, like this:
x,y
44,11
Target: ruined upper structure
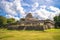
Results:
x,y
31,20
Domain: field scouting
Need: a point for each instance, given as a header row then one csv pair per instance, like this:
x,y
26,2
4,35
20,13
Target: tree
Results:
x,y
57,21
3,21
10,20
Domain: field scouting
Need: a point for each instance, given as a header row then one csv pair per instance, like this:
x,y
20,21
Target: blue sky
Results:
x,y
43,9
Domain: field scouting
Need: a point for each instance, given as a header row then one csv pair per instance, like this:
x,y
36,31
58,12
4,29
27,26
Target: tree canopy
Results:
x,y
57,21
10,20
3,21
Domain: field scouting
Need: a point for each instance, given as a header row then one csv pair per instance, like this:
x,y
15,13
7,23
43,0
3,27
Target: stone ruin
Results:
x,y
31,23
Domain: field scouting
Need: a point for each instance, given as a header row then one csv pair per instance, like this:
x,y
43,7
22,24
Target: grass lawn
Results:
x,y
52,34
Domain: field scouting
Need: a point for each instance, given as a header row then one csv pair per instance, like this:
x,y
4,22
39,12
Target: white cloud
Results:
x,y
12,8
38,7
43,6
45,14
25,4
54,8
34,6
10,16
19,6
7,7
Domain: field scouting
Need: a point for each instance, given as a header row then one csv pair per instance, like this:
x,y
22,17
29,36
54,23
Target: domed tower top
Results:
x,y
29,15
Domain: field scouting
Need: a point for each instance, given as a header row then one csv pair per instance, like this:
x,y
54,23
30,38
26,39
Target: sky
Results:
x,y
41,9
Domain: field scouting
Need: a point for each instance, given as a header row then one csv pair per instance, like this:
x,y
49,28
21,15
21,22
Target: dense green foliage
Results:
x,y
10,20
57,21
3,21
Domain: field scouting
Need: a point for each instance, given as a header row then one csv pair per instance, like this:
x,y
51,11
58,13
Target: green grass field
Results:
x,y
53,34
